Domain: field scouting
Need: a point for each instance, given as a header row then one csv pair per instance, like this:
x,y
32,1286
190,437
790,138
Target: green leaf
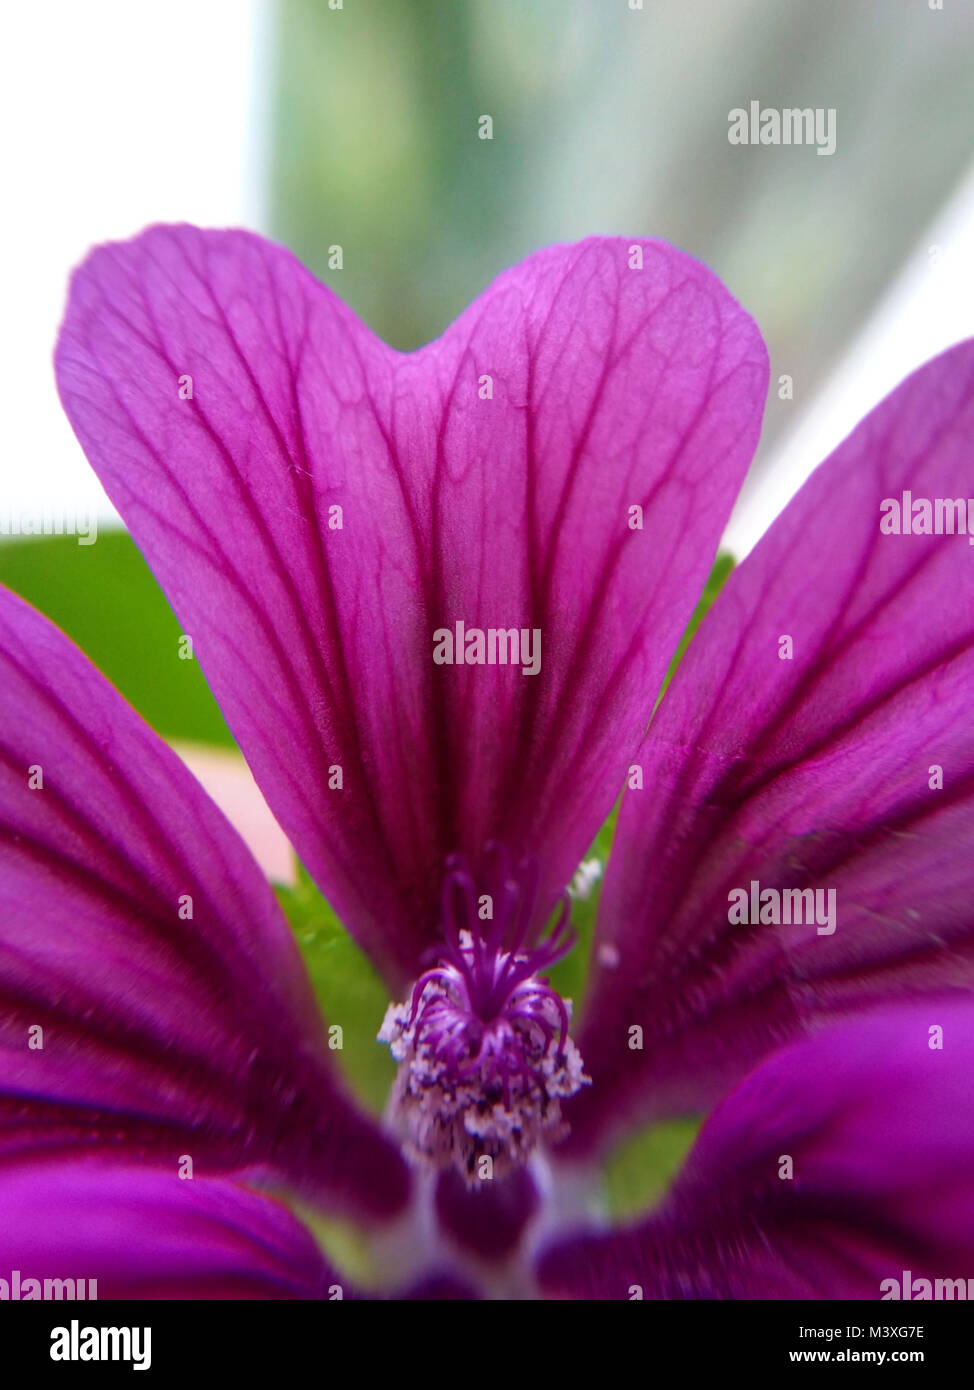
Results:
x,y
348,989
641,1169
105,597
345,1244
718,578
570,975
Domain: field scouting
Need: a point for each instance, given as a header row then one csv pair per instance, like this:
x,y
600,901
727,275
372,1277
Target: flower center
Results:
x,y
483,1048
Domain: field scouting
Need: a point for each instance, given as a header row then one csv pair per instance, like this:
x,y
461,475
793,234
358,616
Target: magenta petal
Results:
x,y
144,1234
487,478
151,995
814,771
487,1220
879,1128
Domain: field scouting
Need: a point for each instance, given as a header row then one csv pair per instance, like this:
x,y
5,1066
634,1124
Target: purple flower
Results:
x,y
436,596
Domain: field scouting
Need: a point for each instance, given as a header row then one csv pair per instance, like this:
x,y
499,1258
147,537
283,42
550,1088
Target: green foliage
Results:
x,y
105,597
569,976
641,1169
345,1244
718,578
376,149
347,987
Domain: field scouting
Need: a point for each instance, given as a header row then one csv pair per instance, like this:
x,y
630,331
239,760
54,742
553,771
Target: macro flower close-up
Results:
x,y
486,679
439,597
